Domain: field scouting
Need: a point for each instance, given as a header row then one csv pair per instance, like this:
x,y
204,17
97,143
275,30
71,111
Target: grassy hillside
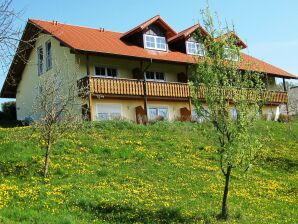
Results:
x,y
162,173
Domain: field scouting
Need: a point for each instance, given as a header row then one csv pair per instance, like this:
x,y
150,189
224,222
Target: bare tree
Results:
x,y
56,109
9,33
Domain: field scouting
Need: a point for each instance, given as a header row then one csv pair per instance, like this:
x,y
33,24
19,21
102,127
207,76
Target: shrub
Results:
x,y
8,111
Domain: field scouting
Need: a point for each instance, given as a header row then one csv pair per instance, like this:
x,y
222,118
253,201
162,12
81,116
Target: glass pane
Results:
x,y
150,41
152,113
200,49
163,112
102,116
100,71
161,43
111,72
160,76
234,114
115,116
150,75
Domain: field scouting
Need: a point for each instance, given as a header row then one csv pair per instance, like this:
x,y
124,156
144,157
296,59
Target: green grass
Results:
x,y
117,172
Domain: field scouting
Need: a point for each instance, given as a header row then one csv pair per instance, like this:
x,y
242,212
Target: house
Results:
x,y
113,66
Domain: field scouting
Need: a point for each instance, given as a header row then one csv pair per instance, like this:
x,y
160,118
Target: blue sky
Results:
x,y
269,27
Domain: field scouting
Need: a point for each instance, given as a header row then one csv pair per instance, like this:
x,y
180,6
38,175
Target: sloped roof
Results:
x,y
90,40
108,42
234,35
156,19
185,33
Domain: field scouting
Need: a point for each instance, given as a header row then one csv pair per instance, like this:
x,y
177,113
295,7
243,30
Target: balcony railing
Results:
x,y
136,88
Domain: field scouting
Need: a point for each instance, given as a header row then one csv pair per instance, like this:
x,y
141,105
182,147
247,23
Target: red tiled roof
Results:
x,y
108,42
170,32
185,33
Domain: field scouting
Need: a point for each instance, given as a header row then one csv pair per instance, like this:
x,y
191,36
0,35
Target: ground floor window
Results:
x,y
234,113
199,117
106,111
270,115
156,113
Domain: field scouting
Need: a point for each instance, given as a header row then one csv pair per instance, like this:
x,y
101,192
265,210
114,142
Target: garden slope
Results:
x,y
117,172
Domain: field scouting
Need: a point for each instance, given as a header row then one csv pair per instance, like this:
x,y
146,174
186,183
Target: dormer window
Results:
x,y
195,48
155,42
231,54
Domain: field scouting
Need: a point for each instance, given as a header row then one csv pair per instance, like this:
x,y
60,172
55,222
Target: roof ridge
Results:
x,y
67,24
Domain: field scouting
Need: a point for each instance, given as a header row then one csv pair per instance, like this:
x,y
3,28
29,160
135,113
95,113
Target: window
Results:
x,y
234,113
108,111
270,115
48,55
104,71
40,60
195,48
158,112
156,76
155,42
231,54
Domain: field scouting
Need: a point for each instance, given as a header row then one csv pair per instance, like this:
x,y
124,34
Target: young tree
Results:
x,y
231,99
56,109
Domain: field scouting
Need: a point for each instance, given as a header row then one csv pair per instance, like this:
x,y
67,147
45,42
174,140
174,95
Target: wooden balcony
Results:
x,y
131,88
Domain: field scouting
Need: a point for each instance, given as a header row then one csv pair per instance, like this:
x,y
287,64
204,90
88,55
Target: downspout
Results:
x,y
145,91
287,104
189,100
90,87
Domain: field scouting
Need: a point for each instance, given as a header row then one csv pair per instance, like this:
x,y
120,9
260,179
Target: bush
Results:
x,y
9,111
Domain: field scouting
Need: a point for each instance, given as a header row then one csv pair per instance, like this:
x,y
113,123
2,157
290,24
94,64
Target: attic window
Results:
x,y
155,42
195,48
231,54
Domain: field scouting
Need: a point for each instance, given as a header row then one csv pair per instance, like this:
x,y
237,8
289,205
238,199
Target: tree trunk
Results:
x,y
46,162
224,210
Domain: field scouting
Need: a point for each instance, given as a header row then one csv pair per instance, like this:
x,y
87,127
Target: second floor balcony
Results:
x,y
132,88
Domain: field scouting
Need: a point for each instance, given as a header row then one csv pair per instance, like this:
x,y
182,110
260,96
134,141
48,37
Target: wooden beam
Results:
x,y
284,84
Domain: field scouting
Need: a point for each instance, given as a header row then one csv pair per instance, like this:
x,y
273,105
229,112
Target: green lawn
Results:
x,y
116,172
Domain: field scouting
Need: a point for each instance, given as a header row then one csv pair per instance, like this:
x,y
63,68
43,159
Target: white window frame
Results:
x,y
110,112
157,80
155,42
49,59
40,67
158,108
197,47
106,71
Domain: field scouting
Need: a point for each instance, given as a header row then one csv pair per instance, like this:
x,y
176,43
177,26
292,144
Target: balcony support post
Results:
x,y
284,84
145,90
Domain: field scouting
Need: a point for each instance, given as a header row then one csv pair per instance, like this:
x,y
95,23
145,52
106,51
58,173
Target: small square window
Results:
x,y
150,75
160,76
150,41
163,112
100,71
112,72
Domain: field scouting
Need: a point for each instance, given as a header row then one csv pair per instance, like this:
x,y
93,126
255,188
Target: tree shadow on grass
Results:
x,y
283,163
117,213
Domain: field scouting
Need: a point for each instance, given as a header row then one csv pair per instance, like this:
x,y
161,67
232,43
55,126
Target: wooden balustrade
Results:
x,y
131,87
